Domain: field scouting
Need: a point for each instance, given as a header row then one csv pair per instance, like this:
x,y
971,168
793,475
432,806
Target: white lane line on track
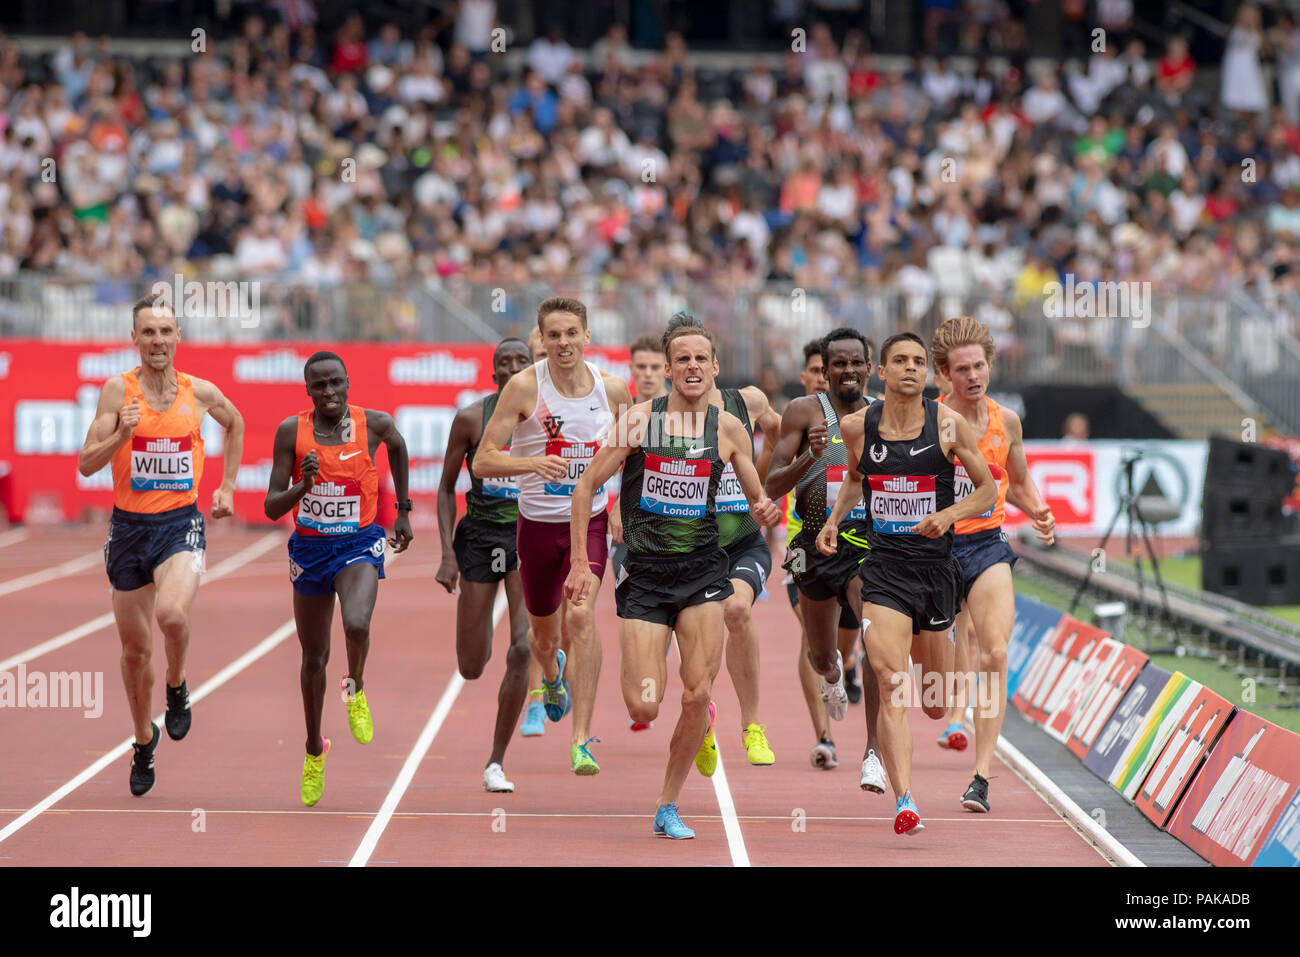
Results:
x,y
422,745
14,536
74,566
730,824
221,570
261,649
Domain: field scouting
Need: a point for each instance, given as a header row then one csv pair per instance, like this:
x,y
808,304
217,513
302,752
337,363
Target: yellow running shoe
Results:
x,y
363,729
313,775
756,745
706,759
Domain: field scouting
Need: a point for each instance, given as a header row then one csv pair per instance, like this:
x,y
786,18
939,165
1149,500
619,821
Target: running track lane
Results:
x,y
242,761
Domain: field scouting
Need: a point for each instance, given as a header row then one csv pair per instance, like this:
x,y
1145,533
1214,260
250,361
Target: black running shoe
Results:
x,y
976,797
853,684
178,715
142,773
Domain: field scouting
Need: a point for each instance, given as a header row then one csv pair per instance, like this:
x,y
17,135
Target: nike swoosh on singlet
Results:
x,y
344,458
919,451
837,440
699,450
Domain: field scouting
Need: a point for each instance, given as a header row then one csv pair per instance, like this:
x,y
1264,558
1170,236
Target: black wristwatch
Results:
x,y
405,505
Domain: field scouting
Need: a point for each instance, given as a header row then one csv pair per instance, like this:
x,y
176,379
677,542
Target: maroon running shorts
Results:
x,y
544,560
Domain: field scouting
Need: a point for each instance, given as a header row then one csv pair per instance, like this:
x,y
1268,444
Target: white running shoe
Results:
x,y
494,779
873,774
835,697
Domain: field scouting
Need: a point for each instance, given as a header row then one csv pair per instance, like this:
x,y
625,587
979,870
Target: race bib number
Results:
x,y
730,497
898,502
675,487
162,464
963,486
579,456
834,479
331,508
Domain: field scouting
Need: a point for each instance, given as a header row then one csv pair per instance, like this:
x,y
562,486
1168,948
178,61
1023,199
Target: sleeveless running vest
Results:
x,y
572,428
346,493
816,490
494,500
993,446
903,481
734,520
668,497
160,467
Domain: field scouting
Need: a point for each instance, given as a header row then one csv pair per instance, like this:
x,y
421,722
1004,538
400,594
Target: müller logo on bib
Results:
x,y
579,456
675,487
162,464
331,508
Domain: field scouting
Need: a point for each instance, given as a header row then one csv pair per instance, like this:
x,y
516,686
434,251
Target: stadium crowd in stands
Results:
x,y
369,154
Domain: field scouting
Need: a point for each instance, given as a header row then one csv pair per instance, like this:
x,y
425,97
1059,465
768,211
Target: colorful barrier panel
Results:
x,y
1122,726
1200,725
1093,670
1104,699
1034,622
1058,660
1156,729
1241,792
49,391
1282,848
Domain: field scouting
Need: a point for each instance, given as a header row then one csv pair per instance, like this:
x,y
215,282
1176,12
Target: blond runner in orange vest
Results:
x,y
147,424
963,352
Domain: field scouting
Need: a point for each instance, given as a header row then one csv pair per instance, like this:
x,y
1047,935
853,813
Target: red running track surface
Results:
x,y
228,794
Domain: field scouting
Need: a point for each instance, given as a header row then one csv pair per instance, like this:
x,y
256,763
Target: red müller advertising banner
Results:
x,y
49,391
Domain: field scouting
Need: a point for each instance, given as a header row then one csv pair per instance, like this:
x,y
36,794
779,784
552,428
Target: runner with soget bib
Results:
x,y
676,575
904,447
555,415
481,554
328,453
810,458
148,425
963,351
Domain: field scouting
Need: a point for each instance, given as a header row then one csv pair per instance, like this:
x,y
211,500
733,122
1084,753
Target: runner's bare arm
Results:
x,y
458,443
624,439
619,395
852,431
280,496
803,418
518,399
381,425
111,427
210,399
1022,492
957,439
734,442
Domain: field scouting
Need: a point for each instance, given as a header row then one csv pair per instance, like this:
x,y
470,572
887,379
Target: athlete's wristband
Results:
x,y
811,456
405,505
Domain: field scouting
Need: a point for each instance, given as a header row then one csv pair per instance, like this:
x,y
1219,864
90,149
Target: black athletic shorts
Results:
x,y
750,560
927,592
980,551
139,542
657,588
826,576
847,618
485,551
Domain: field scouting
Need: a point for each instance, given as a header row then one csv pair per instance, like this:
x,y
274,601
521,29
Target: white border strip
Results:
x,y
422,745
730,823
237,560
1062,803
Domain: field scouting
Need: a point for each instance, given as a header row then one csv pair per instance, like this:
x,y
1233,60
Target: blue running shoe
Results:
x,y
534,720
907,819
669,824
555,694
953,737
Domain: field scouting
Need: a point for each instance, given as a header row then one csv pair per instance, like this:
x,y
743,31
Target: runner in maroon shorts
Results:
x,y
560,412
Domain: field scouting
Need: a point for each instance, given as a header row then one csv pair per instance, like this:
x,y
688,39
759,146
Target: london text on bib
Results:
x,y
898,502
162,464
834,479
730,497
579,456
676,487
331,508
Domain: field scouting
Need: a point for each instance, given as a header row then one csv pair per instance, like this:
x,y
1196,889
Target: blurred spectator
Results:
x,y
1077,427
1243,81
